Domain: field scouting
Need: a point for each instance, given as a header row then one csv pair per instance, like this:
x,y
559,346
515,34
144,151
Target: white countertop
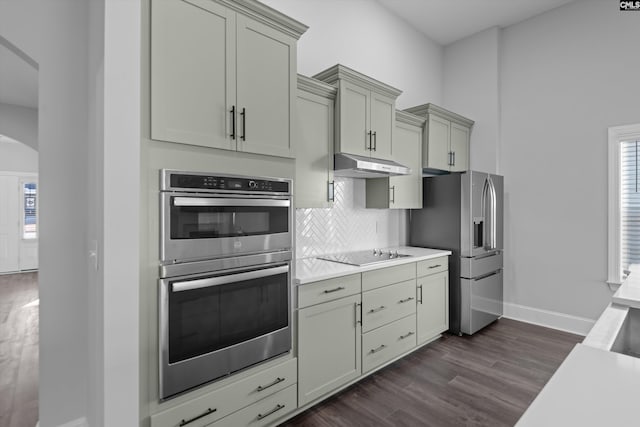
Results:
x,y
592,387
313,269
629,292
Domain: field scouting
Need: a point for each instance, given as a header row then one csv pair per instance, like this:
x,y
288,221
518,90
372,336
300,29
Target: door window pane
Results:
x,y
30,220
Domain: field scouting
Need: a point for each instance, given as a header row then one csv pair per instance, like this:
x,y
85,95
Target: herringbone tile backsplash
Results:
x,y
348,225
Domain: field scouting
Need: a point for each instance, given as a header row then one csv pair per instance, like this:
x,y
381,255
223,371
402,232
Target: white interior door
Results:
x,y
9,224
28,233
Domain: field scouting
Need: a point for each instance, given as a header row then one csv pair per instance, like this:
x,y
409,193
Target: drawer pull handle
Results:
x,y
329,291
274,410
402,301
277,381
375,310
377,349
435,266
204,414
407,335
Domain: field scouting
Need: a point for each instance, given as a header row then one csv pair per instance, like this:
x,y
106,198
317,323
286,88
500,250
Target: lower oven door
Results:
x,y
212,325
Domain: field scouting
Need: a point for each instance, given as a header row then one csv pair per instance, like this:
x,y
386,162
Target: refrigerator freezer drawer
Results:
x,y
480,266
481,302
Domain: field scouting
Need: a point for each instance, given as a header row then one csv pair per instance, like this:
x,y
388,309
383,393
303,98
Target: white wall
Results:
x,y
471,88
566,76
55,34
19,123
17,157
363,35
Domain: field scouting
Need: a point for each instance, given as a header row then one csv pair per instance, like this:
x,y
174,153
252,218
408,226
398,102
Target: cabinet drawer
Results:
x,y
432,266
226,400
263,412
387,342
388,276
389,303
328,290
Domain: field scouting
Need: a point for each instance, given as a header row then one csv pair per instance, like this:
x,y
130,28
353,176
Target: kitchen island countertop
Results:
x,y
313,269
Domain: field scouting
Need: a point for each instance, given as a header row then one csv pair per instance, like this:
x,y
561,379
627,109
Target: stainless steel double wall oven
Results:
x,y
225,275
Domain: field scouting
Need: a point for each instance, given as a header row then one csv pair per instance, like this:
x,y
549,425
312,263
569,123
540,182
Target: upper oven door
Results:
x,y
205,226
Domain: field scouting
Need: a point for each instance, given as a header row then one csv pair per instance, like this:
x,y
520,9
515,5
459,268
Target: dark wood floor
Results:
x,y
18,350
488,379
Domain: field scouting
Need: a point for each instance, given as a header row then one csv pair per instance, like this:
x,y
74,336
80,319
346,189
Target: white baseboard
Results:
x,y
550,319
80,422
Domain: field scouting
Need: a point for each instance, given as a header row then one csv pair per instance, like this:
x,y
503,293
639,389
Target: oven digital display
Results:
x,y
234,185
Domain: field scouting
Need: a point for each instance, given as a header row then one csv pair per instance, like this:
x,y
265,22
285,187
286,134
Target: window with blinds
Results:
x,y
629,204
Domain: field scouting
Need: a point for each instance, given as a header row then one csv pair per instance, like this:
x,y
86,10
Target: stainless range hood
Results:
x,y
352,166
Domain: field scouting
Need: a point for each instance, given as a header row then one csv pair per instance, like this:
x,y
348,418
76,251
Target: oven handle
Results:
x,y
212,201
223,280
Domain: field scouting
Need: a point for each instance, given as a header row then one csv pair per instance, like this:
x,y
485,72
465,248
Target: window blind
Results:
x,y
629,204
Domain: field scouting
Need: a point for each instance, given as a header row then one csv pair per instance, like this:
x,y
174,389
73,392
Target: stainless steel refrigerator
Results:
x,y
463,212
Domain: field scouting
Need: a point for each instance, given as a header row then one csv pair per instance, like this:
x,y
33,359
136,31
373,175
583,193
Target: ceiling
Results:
x,y
445,21
18,79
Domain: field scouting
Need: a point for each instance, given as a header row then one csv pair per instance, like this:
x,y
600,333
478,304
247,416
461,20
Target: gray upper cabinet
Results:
x,y
446,138
223,75
401,192
365,113
314,135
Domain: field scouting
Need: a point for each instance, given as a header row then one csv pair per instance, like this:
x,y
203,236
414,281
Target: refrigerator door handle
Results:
x,y
489,209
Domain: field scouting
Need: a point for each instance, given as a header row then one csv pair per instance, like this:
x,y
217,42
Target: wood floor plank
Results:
x,y
488,379
18,350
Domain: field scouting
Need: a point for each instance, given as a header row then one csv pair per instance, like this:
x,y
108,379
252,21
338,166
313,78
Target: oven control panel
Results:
x,y
193,181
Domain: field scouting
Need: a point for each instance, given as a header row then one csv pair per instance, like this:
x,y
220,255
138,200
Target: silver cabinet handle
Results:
x,y
375,310
435,266
331,191
402,301
278,380
393,192
420,298
377,349
276,409
204,414
330,291
407,335
358,318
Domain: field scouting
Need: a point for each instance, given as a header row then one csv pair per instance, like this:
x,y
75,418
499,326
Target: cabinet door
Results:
x,y
436,155
329,347
314,143
266,85
459,147
433,305
353,120
192,72
406,191
383,114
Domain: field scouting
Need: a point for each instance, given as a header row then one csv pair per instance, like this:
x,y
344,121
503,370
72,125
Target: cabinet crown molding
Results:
x,y
410,119
316,87
340,72
267,15
425,109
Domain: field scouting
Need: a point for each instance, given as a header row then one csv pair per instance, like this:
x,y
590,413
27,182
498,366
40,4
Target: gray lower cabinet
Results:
x,y
329,352
351,325
433,299
314,136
